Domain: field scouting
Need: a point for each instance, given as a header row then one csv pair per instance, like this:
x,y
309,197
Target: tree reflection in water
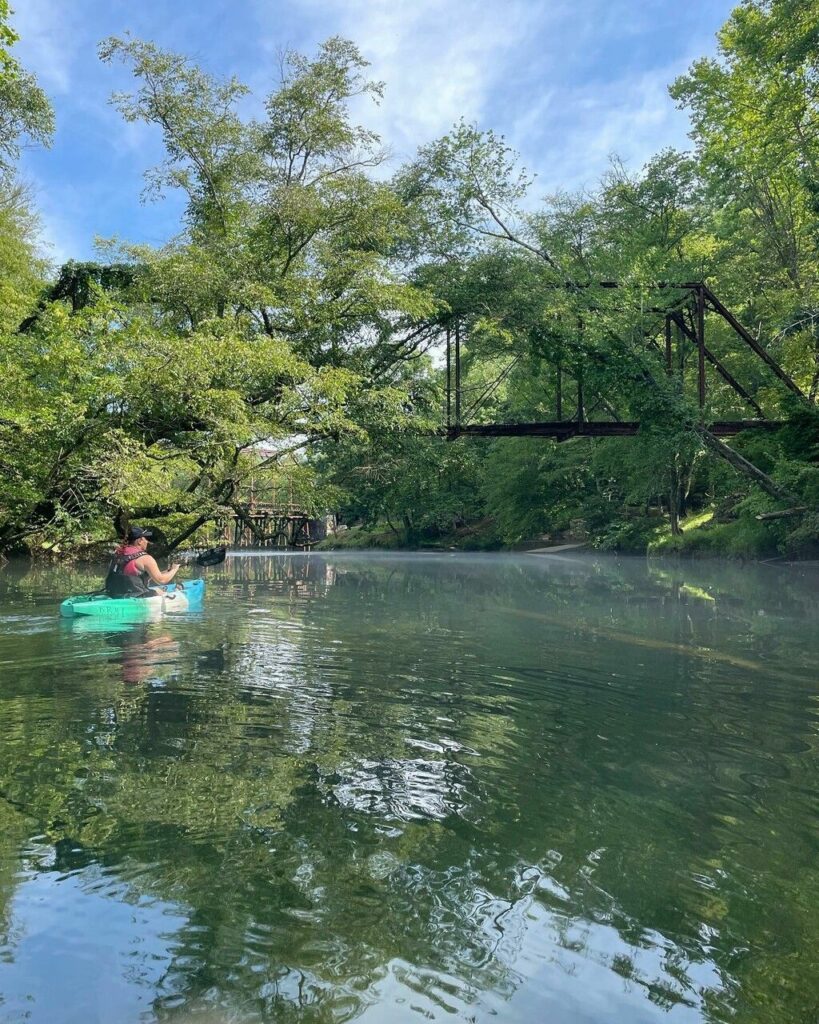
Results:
x,y
387,787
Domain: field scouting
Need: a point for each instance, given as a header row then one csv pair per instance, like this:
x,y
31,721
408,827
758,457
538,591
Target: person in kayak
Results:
x,y
132,569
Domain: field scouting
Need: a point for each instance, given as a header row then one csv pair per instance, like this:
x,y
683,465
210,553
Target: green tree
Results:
x,y
25,111
602,344
755,123
8,37
393,470
283,222
162,375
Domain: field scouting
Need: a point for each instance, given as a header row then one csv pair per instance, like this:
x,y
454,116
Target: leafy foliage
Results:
x,y
292,332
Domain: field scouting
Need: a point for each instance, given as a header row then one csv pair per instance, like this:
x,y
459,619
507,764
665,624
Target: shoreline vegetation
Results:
x,y
288,345
701,538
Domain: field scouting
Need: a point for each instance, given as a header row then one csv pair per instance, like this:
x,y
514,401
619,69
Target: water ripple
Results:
x,y
395,787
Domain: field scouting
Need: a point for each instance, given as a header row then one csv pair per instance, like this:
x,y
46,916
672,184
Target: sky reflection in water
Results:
x,y
404,788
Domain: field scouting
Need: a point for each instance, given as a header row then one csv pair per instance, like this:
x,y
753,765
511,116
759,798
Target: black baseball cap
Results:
x,y
135,532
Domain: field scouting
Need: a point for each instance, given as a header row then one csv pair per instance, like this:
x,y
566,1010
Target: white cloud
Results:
x,y
563,83
440,60
50,34
569,137
568,84
569,142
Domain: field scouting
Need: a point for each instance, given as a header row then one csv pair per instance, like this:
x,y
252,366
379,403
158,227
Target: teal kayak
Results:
x,y
171,599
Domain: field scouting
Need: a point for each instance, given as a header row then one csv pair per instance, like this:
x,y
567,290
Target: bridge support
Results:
x,y
272,526
701,345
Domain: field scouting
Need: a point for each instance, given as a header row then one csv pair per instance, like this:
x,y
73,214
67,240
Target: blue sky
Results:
x,y
568,84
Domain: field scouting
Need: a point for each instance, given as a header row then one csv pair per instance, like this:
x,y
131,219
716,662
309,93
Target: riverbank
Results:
x,y
703,535
706,534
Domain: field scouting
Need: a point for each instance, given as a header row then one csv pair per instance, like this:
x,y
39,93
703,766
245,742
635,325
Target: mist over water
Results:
x,y
414,787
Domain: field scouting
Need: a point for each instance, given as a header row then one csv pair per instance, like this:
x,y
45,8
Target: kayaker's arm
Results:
x,y
148,564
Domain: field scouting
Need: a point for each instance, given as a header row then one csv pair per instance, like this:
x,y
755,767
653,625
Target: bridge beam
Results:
x,y
563,430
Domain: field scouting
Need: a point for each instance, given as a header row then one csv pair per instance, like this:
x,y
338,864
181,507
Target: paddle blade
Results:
x,y
213,556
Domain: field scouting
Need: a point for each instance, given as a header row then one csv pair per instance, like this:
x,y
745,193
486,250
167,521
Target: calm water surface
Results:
x,y
409,788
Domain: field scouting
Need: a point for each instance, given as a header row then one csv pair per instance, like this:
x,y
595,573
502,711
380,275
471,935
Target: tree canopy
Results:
x,y
301,309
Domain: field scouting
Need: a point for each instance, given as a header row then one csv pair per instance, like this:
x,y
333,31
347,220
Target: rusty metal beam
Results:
x,y
457,372
747,337
559,393
701,346
565,429
448,377
668,367
718,366
685,286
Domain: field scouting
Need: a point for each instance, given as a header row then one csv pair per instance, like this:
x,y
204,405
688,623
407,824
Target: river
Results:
x,y
401,788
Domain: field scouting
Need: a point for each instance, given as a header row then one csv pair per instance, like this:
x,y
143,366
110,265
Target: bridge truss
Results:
x,y
683,320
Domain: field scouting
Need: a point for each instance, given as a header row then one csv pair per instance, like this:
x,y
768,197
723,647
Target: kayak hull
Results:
x,y
171,600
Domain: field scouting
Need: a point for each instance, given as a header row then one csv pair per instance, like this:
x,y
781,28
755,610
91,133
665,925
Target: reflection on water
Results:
x,y
401,788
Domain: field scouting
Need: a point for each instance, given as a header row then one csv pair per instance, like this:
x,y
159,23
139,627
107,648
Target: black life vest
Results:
x,y
117,584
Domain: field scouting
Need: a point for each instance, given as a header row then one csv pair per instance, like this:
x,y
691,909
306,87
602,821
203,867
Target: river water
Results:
x,y
402,788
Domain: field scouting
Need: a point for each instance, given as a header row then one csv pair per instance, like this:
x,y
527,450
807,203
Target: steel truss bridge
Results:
x,y
683,320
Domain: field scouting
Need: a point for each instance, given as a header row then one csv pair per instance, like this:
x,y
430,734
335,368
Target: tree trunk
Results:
x,y
674,501
784,513
172,545
410,533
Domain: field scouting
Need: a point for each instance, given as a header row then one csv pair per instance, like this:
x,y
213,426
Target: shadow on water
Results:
x,y
403,787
